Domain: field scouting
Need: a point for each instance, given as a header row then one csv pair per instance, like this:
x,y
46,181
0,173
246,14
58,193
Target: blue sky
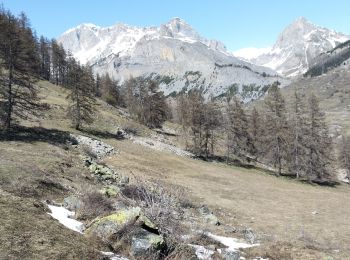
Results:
x,y
237,23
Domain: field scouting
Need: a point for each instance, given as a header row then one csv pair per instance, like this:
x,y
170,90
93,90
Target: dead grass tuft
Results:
x,y
94,204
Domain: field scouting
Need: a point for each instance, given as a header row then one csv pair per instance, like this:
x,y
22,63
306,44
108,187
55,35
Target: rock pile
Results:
x,y
97,147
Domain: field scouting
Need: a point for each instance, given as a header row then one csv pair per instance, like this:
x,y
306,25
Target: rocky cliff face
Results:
x,y
295,49
174,54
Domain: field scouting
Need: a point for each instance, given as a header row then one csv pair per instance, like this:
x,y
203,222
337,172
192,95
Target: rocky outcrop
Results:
x,y
105,174
97,147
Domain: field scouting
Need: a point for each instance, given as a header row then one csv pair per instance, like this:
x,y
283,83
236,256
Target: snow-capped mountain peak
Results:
x,y
296,48
89,42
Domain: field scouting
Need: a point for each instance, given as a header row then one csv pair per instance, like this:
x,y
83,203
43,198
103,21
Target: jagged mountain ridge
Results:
x,y
295,49
173,53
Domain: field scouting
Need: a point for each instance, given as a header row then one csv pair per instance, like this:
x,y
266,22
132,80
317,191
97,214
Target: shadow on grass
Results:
x,y
100,134
36,134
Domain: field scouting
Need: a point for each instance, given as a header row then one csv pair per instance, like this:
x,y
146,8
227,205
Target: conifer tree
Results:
x,y
275,141
239,140
59,64
45,58
81,98
156,111
109,90
319,143
299,135
196,119
18,58
344,155
212,122
256,132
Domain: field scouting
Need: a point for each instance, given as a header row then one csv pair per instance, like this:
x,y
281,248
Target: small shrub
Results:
x,y
94,205
161,204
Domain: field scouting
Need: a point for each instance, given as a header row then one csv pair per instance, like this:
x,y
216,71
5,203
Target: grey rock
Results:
x,y
208,215
124,180
72,203
212,219
249,235
230,255
121,134
144,241
98,148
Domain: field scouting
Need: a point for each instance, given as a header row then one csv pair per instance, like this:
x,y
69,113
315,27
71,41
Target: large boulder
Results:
x,y
208,215
106,226
144,241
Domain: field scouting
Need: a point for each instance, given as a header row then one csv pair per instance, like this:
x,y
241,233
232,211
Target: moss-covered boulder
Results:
x,y
106,226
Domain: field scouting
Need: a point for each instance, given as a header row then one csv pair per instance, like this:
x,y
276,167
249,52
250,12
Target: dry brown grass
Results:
x,y
277,208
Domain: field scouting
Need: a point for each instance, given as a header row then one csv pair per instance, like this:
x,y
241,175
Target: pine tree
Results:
x,y
319,143
18,57
344,155
299,134
98,85
239,140
275,141
212,122
156,111
109,90
81,98
196,119
45,58
256,132
59,64
183,115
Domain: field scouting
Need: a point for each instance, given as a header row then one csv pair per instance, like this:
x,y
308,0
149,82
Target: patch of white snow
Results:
x,y
233,244
64,216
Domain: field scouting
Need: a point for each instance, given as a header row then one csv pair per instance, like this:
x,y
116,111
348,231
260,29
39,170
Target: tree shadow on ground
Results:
x,y
36,134
100,134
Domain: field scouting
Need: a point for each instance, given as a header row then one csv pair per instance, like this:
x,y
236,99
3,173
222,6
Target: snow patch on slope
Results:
x,y
232,243
64,216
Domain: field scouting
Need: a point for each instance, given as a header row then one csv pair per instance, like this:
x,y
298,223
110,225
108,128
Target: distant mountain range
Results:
x,y
180,59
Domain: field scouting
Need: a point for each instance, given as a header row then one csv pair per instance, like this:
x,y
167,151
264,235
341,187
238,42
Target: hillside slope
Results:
x,y
333,91
291,220
337,57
